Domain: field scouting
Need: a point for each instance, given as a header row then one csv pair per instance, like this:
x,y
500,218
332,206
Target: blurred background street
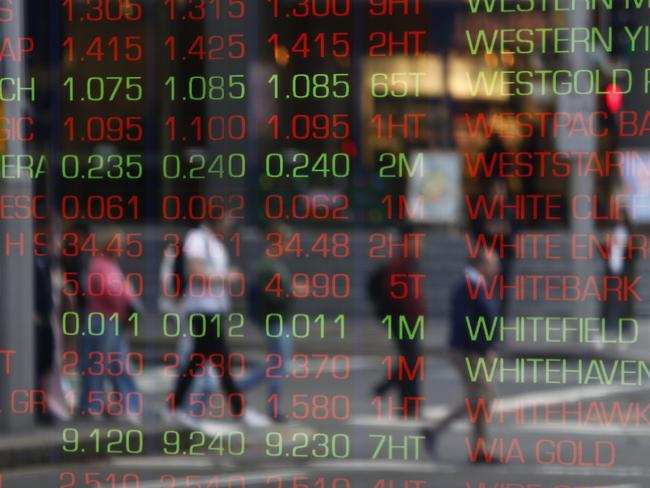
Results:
x,y
261,115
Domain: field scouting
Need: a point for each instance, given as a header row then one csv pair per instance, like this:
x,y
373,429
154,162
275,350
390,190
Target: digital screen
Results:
x,y
324,243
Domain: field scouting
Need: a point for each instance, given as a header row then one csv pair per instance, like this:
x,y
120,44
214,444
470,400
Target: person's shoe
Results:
x,y
481,458
254,419
85,416
380,390
45,418
430,441
166,416
135,420
277,419
217,429
180,417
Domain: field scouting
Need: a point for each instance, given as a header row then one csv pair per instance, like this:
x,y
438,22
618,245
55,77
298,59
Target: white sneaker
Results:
x,y
184,419
599,346
179,419
255,419
215,429
135,420
166,416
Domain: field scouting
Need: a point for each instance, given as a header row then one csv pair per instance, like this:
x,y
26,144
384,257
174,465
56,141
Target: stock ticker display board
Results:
x,y
324,243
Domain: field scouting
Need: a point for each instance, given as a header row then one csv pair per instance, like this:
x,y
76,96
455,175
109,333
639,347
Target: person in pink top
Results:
x,y
103,347
105,274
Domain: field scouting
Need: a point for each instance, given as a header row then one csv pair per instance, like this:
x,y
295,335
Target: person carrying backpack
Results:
x,y
206,261
411,307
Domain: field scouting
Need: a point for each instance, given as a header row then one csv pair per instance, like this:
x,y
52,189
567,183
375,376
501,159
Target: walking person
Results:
x,y
104,350
206,262
170,303
620,262
502,226
269,311
464,350
44,334
411,307
47,308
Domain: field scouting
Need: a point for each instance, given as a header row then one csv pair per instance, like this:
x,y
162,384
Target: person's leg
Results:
x,y
615,312
457,360
203,348
506,265
282,346
186,374
474,391
478,391
53,381
409,387
89,343
383,386
255,376
122,381
219,346
205,385
44,347
456,412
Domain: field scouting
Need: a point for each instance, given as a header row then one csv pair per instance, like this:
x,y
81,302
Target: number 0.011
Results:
x,y
74,324
304,326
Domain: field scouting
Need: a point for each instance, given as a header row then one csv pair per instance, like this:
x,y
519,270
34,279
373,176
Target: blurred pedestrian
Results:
x,y
206,262
74,258
620,262
59,389
43,314
170,301
502,228
464,349
103,347
268,311
411,307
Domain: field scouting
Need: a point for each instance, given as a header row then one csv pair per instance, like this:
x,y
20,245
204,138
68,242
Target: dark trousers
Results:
x,y
409,349
474,392
203,348
44,338
506,266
